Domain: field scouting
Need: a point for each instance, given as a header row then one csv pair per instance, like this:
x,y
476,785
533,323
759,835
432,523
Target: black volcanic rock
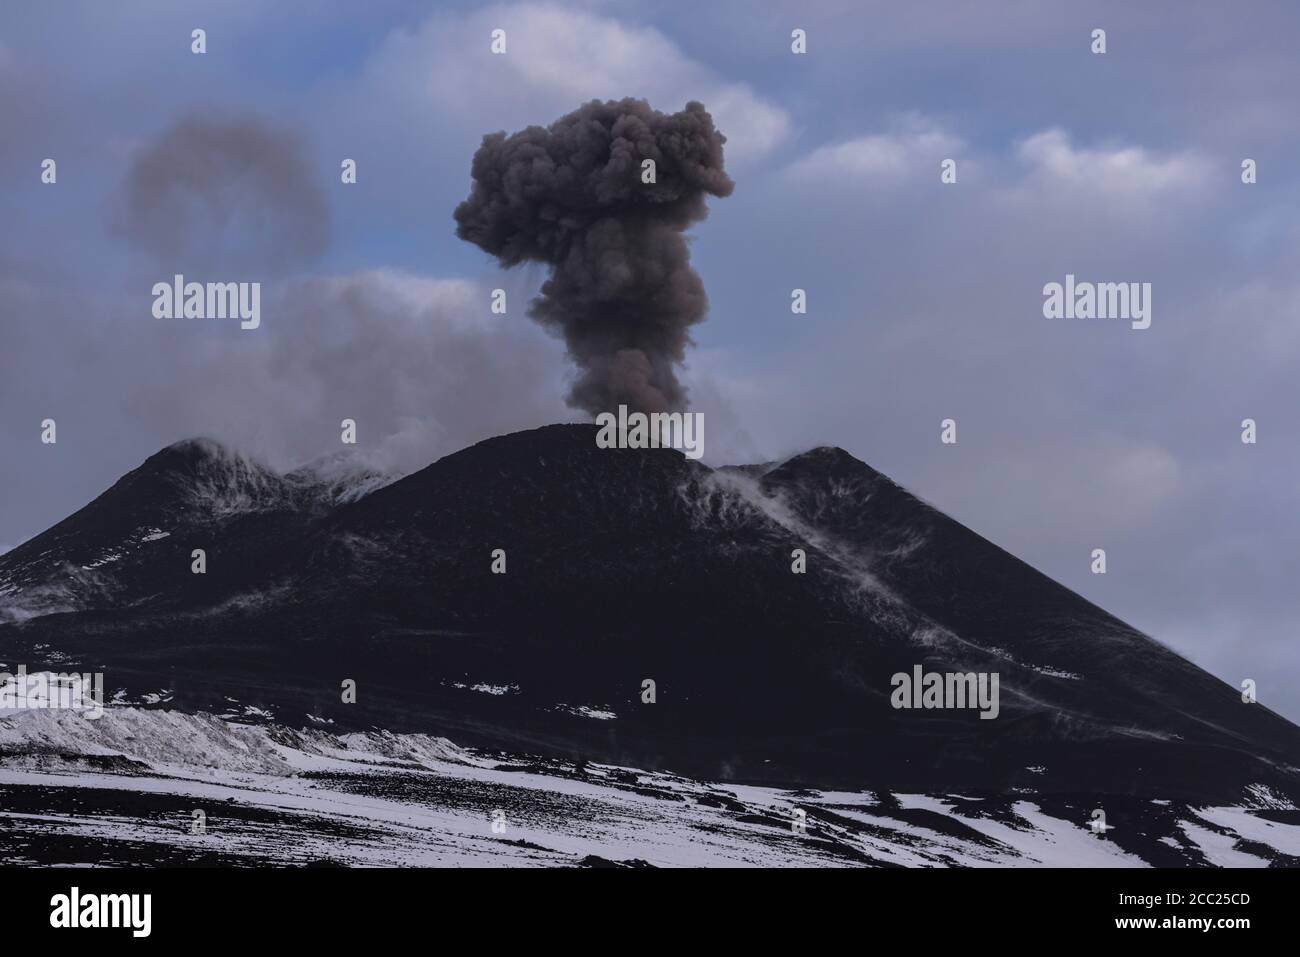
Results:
x,y
131,546
628,565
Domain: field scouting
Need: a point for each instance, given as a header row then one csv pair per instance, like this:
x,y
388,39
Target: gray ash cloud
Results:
x,y
218,190
621,291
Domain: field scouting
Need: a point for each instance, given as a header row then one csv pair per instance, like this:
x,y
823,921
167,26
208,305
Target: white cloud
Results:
x,y
1050,164
915,143
556,60
1129,172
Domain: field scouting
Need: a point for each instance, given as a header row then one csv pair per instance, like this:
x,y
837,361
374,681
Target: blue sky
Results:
x,y
924,298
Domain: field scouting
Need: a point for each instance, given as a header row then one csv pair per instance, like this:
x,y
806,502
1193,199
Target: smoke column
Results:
x,y
621,290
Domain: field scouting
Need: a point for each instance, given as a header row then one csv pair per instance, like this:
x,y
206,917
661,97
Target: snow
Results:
x,y
1251,827
1261,795
1067,844
43,690
587,711
379,798
484,688
1055,672
1219,849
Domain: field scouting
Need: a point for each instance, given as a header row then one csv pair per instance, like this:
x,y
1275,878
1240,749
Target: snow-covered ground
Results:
x,y
125,788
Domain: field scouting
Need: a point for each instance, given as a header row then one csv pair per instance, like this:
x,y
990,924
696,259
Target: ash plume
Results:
x,y
219,190
621,290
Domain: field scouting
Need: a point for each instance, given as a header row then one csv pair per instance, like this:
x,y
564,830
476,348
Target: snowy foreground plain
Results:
x,y
123,790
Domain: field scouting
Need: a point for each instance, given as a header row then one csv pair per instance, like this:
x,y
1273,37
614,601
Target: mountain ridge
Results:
x,y
625,565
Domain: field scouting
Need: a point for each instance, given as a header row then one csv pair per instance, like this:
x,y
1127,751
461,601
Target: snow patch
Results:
x,y
586,711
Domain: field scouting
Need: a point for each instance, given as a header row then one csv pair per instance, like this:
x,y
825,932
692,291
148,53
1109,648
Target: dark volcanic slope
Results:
x,y
131,546
628,565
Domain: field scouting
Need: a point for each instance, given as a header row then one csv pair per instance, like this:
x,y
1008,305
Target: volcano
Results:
x,y
535,595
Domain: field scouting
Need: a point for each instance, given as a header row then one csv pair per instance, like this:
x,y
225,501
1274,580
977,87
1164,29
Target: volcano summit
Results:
x,y
627,566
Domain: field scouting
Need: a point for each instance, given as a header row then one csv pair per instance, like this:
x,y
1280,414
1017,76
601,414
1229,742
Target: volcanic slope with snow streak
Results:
x,y
131,546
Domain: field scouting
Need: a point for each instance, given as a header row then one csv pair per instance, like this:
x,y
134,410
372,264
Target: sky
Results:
x,y
924,298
